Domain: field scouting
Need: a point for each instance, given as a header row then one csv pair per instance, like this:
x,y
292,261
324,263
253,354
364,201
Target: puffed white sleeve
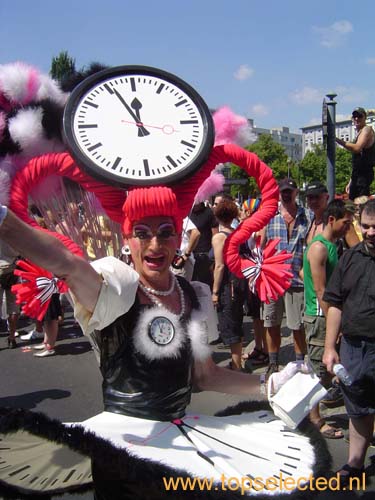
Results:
x,y
203,323
116,296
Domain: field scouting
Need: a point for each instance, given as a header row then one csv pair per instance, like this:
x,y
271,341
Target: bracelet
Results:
x,y
3,213
187,254
215,293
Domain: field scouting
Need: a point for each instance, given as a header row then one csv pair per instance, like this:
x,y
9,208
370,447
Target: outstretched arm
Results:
x,y
365,140
48,252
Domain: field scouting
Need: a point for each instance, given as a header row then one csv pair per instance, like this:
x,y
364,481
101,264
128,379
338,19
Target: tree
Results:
x,y
273,154
62,66
343,169
313,167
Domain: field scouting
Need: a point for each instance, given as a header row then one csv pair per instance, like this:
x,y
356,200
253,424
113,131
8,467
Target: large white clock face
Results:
x,y
138,125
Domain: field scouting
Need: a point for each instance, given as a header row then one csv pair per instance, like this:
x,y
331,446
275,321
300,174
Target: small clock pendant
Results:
x,y
161,330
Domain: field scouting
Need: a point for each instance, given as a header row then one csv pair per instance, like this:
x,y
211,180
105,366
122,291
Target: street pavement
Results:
x,y
67,386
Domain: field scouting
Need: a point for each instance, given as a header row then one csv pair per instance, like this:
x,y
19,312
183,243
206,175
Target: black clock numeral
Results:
x,y
89,103
171,161
88,125
180,103
188,122
94,146
188,144
116,163
146,167
160,88
132,85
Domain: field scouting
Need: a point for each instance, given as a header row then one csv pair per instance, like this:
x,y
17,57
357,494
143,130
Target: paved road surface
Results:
x,y
67,387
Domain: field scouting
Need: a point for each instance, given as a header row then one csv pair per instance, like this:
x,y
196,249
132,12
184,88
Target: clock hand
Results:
x,y
136,105
167,129
132,114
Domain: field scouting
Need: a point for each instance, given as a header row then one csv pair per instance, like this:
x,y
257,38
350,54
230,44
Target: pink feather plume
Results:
x,y
212,185
232,129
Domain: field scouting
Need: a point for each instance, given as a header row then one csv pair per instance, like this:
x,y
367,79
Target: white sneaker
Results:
x,y
33,335
39,347
45,353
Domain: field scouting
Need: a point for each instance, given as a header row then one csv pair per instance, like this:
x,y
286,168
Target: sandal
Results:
x,y
349,472
257,357
331,432
231,367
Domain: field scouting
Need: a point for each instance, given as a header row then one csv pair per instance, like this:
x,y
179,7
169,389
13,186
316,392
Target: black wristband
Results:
x,y
187,254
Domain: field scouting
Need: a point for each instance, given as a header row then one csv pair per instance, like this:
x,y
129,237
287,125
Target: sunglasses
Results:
x,y
145,233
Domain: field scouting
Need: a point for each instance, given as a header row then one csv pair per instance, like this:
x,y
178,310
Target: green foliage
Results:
x,y
273,154
343,169
314,167
62,66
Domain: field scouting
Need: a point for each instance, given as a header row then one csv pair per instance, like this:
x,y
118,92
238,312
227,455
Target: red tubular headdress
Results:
x,y
175,201
148,202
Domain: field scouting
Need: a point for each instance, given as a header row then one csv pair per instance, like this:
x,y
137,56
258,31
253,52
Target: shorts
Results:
x,y
315,329
253,304
357,354
230,311
292,303
54,309
10,298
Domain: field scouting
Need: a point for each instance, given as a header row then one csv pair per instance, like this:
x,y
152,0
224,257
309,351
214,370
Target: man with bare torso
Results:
x,y
363,155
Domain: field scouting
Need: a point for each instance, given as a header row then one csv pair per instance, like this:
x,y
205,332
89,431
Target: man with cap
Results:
x,y
317,201
290,226
363,155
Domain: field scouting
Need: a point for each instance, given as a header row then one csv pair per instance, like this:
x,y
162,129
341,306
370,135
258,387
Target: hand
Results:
x,y
347,187
166,129
179,262
278,379
136,116
330,358
136,105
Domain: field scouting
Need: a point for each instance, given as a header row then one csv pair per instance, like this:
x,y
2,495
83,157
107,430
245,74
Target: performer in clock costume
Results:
x,y
151,328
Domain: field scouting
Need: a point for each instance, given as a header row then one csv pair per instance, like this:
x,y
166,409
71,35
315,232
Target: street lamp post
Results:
x,y
331,144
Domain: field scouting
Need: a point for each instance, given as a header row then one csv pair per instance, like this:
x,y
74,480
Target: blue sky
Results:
x,y
272,61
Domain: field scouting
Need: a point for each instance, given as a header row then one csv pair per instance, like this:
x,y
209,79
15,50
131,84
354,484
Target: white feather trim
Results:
x,y
143,343
14,80
49,89
27,130
198,333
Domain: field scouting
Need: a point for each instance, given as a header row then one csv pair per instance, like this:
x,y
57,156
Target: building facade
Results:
x,y
291,142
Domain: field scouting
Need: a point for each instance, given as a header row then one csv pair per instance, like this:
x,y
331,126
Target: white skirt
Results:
x,y
247,454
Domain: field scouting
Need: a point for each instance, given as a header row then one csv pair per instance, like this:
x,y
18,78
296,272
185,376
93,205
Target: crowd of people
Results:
x,y
317,235
329,308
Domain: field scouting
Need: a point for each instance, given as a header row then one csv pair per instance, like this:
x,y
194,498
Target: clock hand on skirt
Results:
x,y
132,114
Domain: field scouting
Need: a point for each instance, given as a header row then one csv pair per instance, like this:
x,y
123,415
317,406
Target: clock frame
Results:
x,y
137,125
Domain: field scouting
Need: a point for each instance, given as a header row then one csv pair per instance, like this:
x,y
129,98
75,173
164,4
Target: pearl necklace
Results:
x,y
149,292
161,293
